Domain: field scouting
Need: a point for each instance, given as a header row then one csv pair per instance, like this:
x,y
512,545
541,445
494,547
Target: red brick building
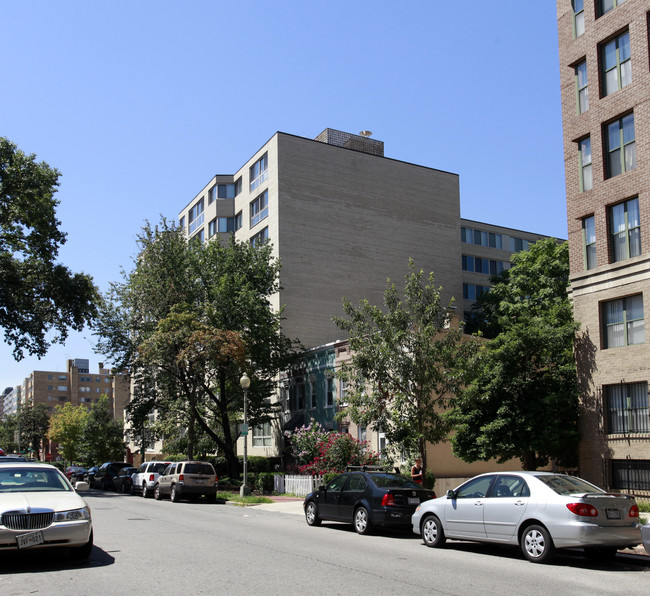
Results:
x,y
605,86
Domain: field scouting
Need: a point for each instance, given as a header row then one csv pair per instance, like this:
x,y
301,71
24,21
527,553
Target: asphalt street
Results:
x,y
148,546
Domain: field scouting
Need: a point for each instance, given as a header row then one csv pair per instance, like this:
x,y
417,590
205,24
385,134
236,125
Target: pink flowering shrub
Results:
x,y
320,452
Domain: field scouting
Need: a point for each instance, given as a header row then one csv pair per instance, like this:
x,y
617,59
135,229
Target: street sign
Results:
x,y
243,429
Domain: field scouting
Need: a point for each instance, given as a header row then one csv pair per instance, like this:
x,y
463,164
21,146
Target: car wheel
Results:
x,y
145,492
432,532
173,495
537,544
362,521
82,552
603,553
156,493
311,514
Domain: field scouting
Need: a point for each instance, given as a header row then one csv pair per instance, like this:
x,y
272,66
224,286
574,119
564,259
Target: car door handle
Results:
x,y
478,503
519,503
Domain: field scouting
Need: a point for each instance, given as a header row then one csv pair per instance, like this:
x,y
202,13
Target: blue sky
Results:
x,y
139,104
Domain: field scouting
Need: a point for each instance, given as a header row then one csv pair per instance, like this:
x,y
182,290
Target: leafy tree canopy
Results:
x,y
67,425
185,324
522,401
405,362
37,295
102,438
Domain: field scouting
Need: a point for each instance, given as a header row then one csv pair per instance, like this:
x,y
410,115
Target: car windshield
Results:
x,y
568,485
18,480
198,469
393,481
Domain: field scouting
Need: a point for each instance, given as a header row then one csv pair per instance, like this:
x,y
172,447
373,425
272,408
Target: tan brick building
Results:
x,y
605,86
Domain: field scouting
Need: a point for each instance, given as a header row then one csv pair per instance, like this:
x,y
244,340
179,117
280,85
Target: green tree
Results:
x,y
405,362
8,427
39,298
102,438
66,428
33,423
522,401
187,321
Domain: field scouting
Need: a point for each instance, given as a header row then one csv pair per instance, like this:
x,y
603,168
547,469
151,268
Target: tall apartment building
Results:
x,y
340,216
605,86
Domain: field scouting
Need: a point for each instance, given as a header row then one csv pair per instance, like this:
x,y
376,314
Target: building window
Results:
x,y
84,389
199,237
616,64
589,242
238,221
362,433
300,396
625,230
498,267
262,435
495,240
181,223
581,87
621,150
212,228
260,238
623,320
518,244
226,191
584,152
631,474
226,224
259,171
63,378
473,291
578,17
260,208
626,405
605,6
312,394
237,186
343,400
330,392
211,195
195,216
62,388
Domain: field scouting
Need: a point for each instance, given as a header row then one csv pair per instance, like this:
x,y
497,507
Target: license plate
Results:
x,y
199,480
613,514
414,501
31,539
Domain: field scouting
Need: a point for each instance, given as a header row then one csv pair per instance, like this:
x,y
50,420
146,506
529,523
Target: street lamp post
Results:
x,y
245,383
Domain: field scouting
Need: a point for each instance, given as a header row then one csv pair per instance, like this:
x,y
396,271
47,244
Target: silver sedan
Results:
x,y
539,511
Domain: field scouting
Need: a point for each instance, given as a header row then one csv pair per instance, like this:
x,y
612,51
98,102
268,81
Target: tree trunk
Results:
x,y
529,459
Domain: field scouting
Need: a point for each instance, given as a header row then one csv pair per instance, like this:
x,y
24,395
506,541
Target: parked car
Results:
x,y
539,511
122,481
74,470
645,537
89,476
11,458
144,480
187,479
366,497
104,476
40,509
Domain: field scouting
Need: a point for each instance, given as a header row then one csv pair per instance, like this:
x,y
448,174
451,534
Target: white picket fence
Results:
x,y
298,485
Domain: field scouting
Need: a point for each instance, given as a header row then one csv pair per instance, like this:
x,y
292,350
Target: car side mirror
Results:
x,y
321,488
81,486
451,494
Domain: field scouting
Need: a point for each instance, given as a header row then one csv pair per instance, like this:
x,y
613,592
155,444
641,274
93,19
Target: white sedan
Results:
x,y
539,511
39,508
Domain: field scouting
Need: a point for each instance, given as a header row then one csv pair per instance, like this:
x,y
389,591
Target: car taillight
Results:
x,y
151,478
180,478
583,509
387,499
634,511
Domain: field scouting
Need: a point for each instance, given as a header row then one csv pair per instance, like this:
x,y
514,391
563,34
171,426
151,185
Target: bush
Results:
x,y
429,479
327,478
265,482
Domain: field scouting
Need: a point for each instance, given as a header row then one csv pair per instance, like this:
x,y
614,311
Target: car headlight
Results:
x,y
417,508
73,515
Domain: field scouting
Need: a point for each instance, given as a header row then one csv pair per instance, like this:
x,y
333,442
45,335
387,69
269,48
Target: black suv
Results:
x,y
366,496
104,476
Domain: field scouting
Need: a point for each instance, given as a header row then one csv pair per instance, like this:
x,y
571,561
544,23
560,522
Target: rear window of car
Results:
x,y
198,469
568,485
393,481
158,468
